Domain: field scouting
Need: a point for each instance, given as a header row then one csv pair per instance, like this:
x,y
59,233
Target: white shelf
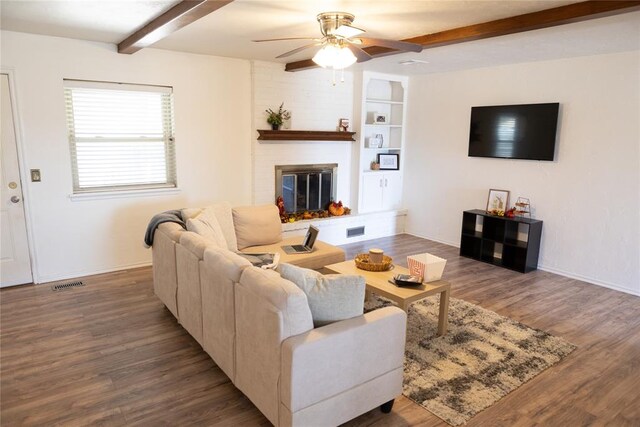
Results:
x,y
381,171
383,101
382,95
376,125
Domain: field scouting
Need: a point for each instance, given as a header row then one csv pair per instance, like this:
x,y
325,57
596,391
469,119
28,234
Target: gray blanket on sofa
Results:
x,y
167,216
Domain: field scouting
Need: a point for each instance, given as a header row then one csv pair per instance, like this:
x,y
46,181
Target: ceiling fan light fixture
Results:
x,y
334,56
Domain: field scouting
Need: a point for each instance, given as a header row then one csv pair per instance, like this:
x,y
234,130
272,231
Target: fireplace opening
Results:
x,y
306,187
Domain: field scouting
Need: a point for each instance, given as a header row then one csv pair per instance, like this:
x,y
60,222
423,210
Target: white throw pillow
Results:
x,y
331,297
222,212
207,226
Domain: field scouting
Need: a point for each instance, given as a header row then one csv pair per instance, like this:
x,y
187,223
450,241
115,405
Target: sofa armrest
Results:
x,y
170,229
329,360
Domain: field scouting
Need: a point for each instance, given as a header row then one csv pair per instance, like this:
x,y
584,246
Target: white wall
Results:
x,y
213,146
316,104
588,198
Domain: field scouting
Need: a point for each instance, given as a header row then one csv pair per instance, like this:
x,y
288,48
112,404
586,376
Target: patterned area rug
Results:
x,y
483,357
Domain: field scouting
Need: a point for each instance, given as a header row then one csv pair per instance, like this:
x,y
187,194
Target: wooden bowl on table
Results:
x,y
364,263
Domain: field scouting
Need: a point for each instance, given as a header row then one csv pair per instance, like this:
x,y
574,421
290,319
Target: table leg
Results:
x,y
443,319
367,294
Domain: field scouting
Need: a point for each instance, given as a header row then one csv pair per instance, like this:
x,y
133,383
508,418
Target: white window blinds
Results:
x,y
121,136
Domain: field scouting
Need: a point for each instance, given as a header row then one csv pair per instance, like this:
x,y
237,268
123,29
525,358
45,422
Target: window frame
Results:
x,y
170,185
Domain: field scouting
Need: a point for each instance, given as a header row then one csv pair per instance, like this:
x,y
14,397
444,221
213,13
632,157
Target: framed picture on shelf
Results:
x,y
380,118
389,161
498,201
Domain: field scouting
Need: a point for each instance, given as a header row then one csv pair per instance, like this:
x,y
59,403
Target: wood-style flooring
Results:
x,y
109,353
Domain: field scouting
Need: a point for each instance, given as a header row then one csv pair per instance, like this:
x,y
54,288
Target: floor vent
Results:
x,y
356,231
63,286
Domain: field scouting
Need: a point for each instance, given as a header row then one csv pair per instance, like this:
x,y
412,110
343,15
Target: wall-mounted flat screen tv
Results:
x,y
514,131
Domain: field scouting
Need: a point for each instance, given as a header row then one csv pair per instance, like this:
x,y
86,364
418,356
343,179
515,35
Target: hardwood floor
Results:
x,y
109,353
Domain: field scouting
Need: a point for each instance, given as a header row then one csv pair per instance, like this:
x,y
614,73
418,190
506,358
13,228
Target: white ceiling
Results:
x,y
229,30
101,21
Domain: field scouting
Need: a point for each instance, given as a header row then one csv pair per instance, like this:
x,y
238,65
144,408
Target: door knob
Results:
x,y
15,199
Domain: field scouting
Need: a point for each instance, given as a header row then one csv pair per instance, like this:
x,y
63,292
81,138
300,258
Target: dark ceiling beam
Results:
x,y
180,15
575,12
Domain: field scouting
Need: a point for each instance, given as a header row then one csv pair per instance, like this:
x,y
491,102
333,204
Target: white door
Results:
x,y
15,265
372,185
392,191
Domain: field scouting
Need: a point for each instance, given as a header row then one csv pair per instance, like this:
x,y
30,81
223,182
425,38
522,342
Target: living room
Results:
x,y
588,197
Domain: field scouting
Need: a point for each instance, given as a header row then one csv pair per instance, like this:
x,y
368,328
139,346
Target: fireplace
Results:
x,y
306,187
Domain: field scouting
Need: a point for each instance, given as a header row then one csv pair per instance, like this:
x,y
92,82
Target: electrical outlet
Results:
x,y
35,175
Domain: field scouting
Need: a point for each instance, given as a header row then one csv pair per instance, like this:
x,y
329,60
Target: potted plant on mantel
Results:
x,y
276,118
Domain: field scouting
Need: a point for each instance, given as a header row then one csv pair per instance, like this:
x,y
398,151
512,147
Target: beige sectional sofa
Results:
x,y
259,330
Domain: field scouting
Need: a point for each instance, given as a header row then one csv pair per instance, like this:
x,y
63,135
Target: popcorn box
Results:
x,y
427,266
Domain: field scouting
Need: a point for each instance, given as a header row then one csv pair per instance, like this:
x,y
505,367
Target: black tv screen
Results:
x,y
514,131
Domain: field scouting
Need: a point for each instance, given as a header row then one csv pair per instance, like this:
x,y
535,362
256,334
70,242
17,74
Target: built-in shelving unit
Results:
x,y
512,243
382,95
304,135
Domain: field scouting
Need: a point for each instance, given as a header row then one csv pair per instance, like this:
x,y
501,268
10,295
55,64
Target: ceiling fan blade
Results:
x,y
286,38
360,54
300,49
392,44
347,31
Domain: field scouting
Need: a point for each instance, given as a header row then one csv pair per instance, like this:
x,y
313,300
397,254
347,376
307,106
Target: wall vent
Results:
x,y
356,231
63,286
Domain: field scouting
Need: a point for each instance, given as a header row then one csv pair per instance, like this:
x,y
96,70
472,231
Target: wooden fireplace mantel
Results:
x,y
304,135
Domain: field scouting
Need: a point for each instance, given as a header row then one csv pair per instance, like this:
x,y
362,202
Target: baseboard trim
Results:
x,y
444,242
589,280
82,273
553,270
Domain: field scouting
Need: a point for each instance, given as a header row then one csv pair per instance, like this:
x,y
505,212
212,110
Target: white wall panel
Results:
x,y
588,198
213,145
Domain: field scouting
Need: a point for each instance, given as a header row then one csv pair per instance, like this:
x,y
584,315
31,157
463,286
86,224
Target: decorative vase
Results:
x,y
275,126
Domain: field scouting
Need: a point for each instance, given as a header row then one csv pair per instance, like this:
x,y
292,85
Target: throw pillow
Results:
x,y
222,212
207,226
257,225
331,297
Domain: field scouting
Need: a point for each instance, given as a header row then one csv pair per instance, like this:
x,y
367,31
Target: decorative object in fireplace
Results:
x,y
306,187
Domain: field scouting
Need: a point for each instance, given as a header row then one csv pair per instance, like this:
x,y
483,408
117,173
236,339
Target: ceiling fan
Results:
x,y
341,42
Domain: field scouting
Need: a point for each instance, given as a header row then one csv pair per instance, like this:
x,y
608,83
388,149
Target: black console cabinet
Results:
x,y
512,243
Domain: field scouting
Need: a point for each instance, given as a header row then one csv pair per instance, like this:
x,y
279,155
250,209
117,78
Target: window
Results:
x,y
121,136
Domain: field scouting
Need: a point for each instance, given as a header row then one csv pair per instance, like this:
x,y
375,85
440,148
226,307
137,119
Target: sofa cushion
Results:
x,y
220,273
322,254
257,225
207,226
331,297
268,310
282,296
226,263
196,244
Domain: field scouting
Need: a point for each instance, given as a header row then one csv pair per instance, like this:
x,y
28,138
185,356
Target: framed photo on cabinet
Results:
x,y
389,161
497,202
